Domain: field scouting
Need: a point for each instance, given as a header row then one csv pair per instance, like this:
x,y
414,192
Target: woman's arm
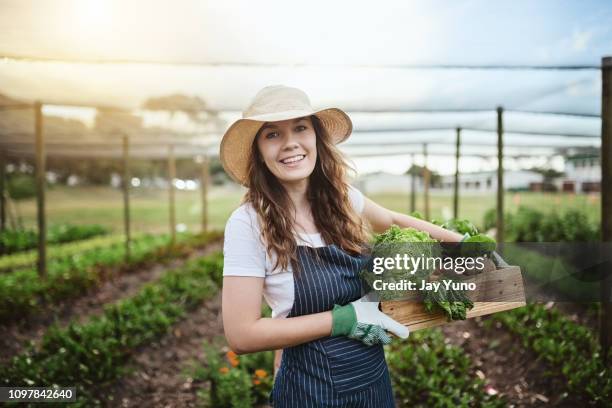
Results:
x,y
381,219
247,332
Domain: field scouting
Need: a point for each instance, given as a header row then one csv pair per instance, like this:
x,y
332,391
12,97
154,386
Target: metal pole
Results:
x,y
204,182
500,175
426,182
171,177
412,184
605,332
2,196
126,196
456,189
40,190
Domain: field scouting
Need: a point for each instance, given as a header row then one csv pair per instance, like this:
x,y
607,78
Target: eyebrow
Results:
x,y
272,126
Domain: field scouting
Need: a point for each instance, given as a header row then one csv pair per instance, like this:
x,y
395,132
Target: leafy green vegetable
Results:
x,y
478,245
417,214
454,303
414,243
461,226
397,235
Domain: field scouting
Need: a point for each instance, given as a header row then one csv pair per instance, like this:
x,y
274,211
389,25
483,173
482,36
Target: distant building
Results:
x,y
486,181
382,182
582,172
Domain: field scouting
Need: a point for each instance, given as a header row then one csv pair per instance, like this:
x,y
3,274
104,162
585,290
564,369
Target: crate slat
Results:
x,y
502,289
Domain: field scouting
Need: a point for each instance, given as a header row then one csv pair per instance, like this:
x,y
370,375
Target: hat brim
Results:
x,y
235,150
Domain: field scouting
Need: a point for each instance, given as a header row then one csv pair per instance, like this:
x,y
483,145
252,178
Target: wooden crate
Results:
x,y
502,289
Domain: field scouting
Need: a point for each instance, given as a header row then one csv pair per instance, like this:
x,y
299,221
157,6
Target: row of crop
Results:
x,y
531,225
12,241
556,275
23,292
28,258
570,348
425,371
91,355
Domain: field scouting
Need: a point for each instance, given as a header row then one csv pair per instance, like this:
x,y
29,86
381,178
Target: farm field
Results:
x,y
149,332
129,132
149,208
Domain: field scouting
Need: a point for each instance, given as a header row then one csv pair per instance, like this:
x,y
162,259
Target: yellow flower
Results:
x,y
259,373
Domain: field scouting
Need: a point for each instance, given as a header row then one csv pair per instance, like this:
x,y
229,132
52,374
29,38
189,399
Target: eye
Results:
x,y
271,135
300,128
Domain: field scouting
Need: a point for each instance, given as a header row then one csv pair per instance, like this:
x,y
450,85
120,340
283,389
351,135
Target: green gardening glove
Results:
x,y
361,320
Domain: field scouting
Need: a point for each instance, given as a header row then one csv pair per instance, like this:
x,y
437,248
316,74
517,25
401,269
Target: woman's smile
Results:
x,y
293,161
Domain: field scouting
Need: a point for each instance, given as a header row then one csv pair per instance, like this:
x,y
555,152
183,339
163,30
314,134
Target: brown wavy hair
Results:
x,y
327,194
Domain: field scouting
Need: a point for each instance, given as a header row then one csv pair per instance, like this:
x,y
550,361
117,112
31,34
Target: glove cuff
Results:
x,y
343,320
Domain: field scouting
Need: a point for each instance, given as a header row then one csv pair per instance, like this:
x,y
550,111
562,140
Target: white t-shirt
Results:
x,y
244,254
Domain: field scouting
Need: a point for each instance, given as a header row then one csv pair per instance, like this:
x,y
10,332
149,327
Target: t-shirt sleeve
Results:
x,y
243,252
356,198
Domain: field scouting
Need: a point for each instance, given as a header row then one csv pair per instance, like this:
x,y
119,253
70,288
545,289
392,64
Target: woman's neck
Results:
x,y
297,194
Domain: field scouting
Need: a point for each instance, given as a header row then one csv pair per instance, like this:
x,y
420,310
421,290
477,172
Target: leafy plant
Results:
x,y
427,372
461,226
92,354
235,381
530,225
22,292
12,241
565,345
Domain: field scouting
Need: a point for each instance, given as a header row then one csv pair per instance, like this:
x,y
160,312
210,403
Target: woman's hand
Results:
x,y
361,320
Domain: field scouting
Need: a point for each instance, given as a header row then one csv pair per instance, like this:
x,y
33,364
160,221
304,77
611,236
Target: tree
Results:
x,y
434,177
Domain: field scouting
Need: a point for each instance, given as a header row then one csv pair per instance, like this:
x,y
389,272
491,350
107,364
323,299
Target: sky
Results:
x,y
348,54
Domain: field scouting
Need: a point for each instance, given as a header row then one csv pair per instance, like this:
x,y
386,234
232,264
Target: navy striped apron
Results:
x,y
331,371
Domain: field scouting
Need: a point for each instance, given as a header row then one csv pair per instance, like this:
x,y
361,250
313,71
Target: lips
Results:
x,y
293,159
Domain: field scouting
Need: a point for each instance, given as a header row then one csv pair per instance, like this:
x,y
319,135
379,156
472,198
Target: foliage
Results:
x,y
531,225
28,258
21,186
461,226
453,303
478,245
23,292
435,179
397,235
567,346
427,372
92,354
235,381
12,241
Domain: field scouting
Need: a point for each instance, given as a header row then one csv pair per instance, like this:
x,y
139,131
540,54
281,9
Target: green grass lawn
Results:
x,y
149,208
473,207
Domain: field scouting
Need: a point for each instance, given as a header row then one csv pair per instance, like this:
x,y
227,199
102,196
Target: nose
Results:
x,y
290,142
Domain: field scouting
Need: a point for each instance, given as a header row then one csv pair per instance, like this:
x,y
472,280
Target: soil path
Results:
x,y
508,368
159,376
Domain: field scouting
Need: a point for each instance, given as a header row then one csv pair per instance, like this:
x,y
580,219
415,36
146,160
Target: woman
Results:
x,y
297,241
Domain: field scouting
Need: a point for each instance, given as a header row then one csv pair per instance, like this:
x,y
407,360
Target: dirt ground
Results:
x,y
159,376
508,369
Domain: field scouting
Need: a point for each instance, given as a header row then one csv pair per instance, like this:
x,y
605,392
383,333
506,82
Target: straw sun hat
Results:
x,y
274,103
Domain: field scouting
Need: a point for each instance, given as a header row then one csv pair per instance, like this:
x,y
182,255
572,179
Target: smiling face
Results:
x,y
289,149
